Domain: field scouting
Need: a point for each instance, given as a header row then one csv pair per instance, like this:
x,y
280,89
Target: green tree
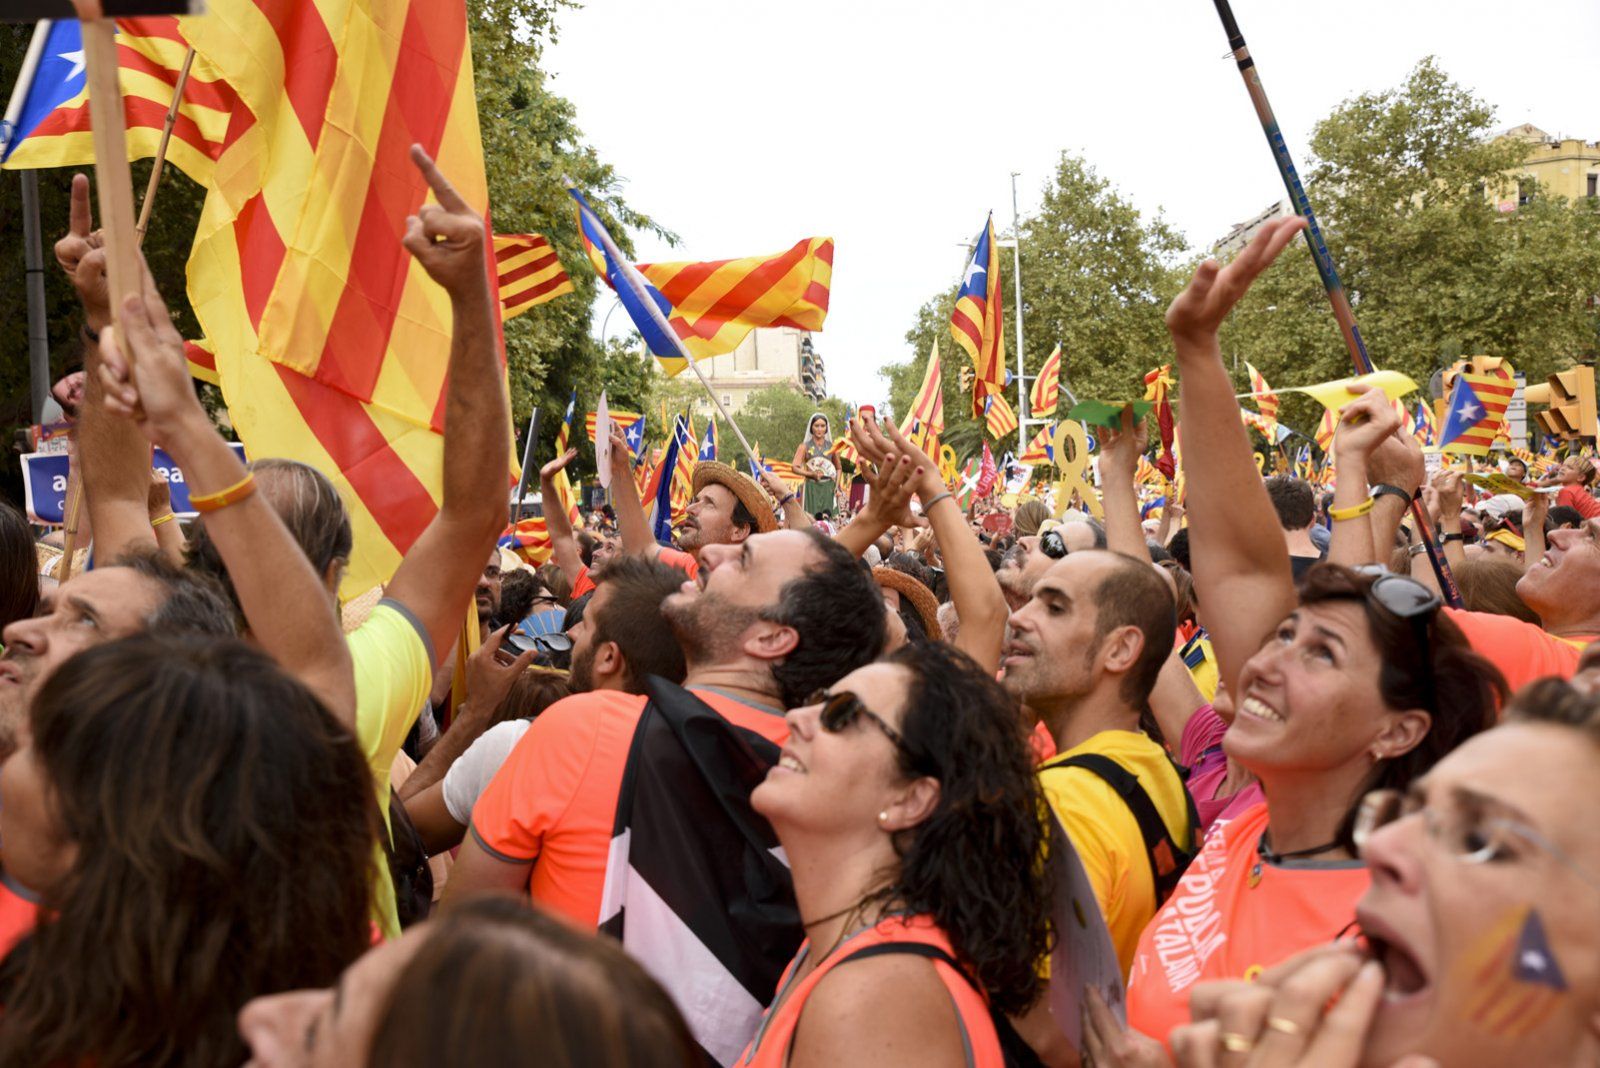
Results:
x,y
1404,182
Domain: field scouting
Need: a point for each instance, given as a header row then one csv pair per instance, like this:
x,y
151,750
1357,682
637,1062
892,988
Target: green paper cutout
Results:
x,y
1108,413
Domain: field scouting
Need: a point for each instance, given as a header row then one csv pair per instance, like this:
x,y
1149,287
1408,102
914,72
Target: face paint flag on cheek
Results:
x,y
1514,976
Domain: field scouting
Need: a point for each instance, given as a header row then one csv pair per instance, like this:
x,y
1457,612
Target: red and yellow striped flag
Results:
x,y
1046,391
1039,449
925,421
621,418
998,416
715,304
978,321
150,54
529,272
331,342
1266,403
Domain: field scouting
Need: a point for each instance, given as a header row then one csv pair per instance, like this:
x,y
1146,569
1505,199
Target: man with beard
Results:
x,y
768,621
727,508
616,646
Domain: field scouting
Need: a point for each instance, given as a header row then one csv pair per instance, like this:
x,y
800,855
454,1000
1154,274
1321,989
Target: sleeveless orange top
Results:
x,y
770,1047
19,914
1233,915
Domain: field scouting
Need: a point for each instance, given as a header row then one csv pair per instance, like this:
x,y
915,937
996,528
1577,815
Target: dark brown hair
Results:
x,y
19,567
224,825
631,617
535,690
498,982
1134,595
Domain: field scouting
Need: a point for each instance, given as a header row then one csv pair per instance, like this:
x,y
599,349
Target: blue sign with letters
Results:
x,y
44,477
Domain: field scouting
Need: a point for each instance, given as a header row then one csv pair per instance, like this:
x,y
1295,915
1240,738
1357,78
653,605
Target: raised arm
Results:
x,y
1119,459
1241,565
113,456
282,597
632,526
436,579
1363,425
888,504
794,513
1534,513
980,605
563,546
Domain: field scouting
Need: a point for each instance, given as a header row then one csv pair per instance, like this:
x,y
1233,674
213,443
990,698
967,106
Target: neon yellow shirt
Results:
x,y
393,662
1105,833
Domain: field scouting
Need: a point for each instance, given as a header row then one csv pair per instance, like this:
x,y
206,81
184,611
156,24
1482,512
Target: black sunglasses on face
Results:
x,y
1052,545
840,710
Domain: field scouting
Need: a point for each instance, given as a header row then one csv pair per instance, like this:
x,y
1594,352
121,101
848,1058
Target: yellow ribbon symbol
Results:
x,y
1071,447
947,465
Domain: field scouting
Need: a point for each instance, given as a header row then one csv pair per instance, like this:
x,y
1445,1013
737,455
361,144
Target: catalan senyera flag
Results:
x,y
925,421
977,323
1326,426
711,306
529,272
1040,450
53,125
1266,401
567,499
998,416
1046,391
331,341
1476,408
529,539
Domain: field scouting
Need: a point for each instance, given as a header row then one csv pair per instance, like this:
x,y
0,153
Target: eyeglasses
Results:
x,y
840,710
1471,834
1407,599
1052,544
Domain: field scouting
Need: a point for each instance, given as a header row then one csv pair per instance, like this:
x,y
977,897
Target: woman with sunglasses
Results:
x,y
1482,946
907,805
1357,682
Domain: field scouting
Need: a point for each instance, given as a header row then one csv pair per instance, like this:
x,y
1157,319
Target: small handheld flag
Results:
x,y
1046,392
529,272
1473,416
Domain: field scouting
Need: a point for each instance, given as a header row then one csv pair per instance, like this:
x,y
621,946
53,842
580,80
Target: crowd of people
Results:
x,y
779,794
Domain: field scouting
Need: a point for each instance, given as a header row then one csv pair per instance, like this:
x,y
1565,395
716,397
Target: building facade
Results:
x,y
769,357
1563,166
1230,243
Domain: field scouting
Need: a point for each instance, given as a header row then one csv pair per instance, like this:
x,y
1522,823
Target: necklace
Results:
x,y
1271,857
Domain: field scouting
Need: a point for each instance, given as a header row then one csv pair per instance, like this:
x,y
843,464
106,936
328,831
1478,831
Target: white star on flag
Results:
x,y
1471,411
77,61
973,270
1533,960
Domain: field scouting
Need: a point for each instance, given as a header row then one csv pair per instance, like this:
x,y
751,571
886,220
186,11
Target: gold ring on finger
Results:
x,y
1284,1025
1235,1043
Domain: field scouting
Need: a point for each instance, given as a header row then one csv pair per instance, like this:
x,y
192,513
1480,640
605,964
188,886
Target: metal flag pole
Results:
x,y
1016,263
160,164
527,462
1342,312
636,284
32,231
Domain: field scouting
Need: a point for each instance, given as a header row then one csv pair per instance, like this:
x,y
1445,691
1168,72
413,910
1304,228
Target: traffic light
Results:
x,y
964,379
1570,395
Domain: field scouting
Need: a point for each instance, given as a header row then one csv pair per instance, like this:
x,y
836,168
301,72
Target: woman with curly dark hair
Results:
x,y
200,831
907,804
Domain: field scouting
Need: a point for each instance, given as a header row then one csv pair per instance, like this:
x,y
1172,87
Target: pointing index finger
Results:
x,y
446,193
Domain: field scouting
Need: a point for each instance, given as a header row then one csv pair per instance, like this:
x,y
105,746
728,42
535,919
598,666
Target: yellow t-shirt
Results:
x,y
1105,833
393,662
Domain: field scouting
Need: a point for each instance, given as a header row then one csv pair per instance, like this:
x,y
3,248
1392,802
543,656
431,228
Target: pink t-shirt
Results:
x,y
1200,750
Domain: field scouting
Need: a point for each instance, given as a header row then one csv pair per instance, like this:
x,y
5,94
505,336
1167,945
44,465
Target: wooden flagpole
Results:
x,y
160,164
1343,314
114,179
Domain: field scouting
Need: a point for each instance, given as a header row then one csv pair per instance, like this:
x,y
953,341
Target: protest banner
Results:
x,y
45,476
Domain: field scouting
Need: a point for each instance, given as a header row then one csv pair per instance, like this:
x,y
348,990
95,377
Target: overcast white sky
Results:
x,y
893,126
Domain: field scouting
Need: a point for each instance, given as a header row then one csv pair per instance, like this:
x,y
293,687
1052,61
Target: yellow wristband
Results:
x,y
1355,511
169,517
211,502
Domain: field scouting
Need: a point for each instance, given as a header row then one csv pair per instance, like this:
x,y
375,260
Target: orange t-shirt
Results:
x,y
19,914
1522,651
1578,499
770,1047
583,584
681,560
554,800
1232,915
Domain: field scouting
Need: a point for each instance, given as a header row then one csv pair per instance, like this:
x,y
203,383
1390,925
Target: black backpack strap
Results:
x,y
1013,1047
1168,859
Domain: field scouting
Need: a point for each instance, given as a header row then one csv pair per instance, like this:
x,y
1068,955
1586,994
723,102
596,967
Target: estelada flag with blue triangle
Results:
x,y
1476,409
978,321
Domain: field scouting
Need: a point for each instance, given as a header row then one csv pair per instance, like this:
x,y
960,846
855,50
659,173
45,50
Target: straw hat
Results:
x,y
754,499
922,598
